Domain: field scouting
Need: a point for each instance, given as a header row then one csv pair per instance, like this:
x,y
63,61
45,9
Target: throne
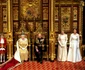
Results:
x,y
19,32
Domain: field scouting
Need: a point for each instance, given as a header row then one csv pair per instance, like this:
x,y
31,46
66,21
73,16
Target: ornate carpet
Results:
x,y
47,65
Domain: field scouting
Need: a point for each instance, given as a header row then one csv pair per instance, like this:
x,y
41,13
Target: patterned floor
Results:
x,y
47,65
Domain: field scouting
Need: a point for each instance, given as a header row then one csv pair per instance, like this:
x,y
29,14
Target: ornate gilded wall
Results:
x,y
33,16
30,9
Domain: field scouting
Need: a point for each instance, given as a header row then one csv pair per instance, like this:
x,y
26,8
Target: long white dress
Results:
x,y
74,51
62,47
21,50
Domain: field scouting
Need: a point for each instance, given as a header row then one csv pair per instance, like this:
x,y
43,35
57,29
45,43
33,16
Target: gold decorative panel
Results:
x,y
75,10
45,1
45,26
30,26
75,25
15,1
4,14
56,26
56,0
22,26
30,9
45,13
15,13
4,27
67,0
65,18
38,27
15,26
56,11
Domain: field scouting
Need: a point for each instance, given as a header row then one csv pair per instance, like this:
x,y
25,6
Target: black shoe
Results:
x,y
41,62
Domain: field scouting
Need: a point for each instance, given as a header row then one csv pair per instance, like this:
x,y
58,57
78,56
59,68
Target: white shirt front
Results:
x,y
2,41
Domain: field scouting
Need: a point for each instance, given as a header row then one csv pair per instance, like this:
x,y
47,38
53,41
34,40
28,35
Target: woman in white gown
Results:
x,y
21,53
74,51
62,46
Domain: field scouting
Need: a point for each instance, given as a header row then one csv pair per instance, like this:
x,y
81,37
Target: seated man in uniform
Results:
x,y
40,43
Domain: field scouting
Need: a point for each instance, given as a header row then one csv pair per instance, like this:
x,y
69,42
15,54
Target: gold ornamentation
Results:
x,y
74,13
15,13
10,37
45,1
75,25
31,26
4,14
23,26
38,28
56,13
45,13
56,26
45,26
4,27
30,9
65,18
52,45
15,26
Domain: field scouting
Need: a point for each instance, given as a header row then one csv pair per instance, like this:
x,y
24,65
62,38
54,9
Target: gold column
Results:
x,y
10,29
1,19
51,31
81,23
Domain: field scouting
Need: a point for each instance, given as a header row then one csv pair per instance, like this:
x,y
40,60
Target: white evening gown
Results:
x,y
62,47
21,49
74,51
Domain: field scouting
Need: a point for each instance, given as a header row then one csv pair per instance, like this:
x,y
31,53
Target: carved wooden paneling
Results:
x,y
15,1
56,26
65,18
45,26
31,26
75,13
45,1
4,14
75,25
4,27
1,19
56,12
15,13
30,9
45,13
39,27
15,26
67,0
3,1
